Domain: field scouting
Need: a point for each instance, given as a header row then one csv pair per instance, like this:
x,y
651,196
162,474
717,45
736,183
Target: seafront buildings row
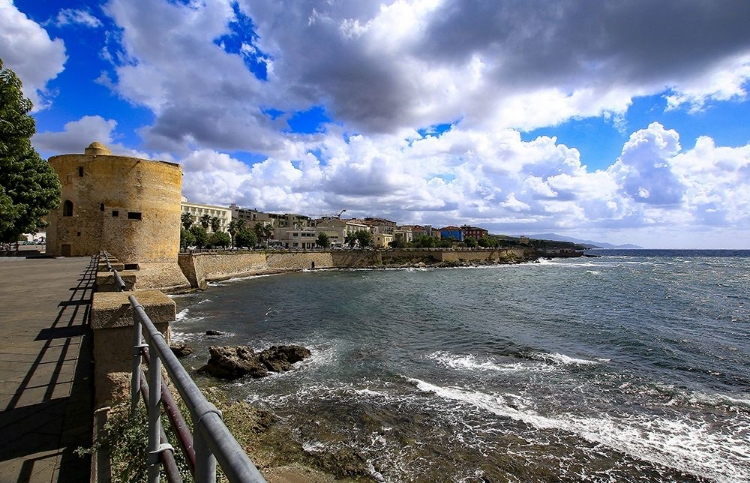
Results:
x,y
300,231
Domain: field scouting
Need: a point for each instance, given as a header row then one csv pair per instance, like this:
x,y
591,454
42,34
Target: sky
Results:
x,y
624,121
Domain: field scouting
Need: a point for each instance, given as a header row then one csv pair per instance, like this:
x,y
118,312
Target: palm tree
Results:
x,y
205,221
215,224
187,220
232,229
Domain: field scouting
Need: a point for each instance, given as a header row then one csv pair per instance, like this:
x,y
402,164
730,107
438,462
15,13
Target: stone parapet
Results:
x,y
112,325
105,281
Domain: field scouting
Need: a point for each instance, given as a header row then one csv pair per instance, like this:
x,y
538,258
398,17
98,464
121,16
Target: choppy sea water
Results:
x,y
634,365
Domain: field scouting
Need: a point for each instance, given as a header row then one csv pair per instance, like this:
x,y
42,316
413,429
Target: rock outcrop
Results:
x,y
235,362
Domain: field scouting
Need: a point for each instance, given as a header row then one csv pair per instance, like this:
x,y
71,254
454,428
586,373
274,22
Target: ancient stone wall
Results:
x,y
127,206
202,267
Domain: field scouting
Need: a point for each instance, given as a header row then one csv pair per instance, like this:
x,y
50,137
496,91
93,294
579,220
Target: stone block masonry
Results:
x,y
112,324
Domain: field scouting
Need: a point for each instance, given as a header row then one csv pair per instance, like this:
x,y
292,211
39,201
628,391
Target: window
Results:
x,y
68,208
115,213
80,171
134,215
101,206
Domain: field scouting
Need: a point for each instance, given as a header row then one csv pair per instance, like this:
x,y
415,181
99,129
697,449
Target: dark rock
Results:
x,y
181,350
214,332
281,358
236,362
233,363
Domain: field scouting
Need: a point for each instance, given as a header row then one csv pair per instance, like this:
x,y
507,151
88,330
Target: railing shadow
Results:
x,y
42,416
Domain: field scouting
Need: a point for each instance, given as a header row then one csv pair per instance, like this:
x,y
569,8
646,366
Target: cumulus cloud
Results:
x,y
75,136
27,49
494,180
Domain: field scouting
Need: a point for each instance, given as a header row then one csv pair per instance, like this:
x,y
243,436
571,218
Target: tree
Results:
x,y
187,239
364,237
205,221
201,236
399,241
187,220
215,224
232,230
488,242
471,242
263,232
245,238
323,241
29,187
425,241
219,239
351,239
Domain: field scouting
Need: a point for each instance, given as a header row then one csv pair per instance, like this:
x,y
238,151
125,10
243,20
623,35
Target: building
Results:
x,y
126,206
301,238
451,232
382,240
250,216
337,230
198,210
473,232
380,225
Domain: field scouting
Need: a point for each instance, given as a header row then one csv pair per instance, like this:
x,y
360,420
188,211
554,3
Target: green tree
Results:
x,y
232,230
187,220
488,242
219,239
364,237
245,238
215,224
398,241
205,221
187,239
201,236
29,187
425,241
351,239
262,232
471,242
323,241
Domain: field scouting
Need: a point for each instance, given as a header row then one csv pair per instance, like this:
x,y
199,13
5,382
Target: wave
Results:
x,y
683,444
472,363
560,359
181,314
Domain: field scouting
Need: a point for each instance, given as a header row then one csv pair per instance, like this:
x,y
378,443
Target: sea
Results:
x,y
627,365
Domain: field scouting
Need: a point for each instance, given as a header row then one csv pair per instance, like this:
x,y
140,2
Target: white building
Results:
x,y
197,211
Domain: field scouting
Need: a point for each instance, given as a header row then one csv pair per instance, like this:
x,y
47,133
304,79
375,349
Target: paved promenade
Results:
x,y
46,387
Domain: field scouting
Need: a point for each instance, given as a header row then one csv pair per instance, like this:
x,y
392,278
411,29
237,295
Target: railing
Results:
x,y
210,442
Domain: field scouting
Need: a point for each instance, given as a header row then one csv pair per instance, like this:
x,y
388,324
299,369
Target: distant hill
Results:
x,y
586,243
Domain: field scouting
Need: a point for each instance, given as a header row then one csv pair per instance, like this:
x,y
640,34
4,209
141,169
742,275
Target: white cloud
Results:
x,y
70,16
469,177
27,49
75,136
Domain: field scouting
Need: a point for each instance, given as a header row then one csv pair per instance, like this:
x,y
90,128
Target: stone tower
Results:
x,y
129,207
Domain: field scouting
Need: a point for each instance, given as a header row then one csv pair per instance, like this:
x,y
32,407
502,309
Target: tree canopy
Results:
x,y
29,187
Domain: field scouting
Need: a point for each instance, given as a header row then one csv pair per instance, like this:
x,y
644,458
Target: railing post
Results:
x,y
154,416
205,461
135,378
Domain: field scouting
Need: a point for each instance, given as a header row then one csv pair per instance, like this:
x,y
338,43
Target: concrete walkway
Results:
x,y
46,389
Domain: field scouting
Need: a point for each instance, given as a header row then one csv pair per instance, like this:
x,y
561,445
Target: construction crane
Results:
x,y
329,216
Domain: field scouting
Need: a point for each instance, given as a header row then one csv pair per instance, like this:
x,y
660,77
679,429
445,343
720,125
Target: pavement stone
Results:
x,y
46,388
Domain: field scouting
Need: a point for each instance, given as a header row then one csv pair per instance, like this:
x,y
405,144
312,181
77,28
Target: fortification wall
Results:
x,y
127,206
202,267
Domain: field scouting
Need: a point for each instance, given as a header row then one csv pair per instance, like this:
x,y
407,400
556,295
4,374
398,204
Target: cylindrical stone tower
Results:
x,y
129,207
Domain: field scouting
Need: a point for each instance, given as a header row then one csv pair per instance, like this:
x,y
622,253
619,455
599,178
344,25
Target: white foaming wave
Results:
x,y
470,362
181,314
561,359
684,445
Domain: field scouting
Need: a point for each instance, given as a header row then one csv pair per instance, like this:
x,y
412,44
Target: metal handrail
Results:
x,y
212,440
119,282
